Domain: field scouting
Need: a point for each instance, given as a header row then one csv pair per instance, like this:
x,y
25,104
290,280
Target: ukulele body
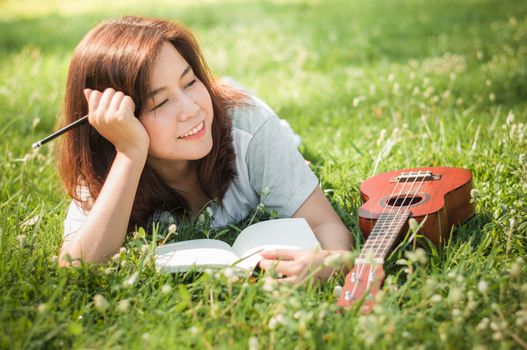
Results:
x,y
444,202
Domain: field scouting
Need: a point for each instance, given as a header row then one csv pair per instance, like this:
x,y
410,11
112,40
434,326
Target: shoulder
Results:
x,y
251,116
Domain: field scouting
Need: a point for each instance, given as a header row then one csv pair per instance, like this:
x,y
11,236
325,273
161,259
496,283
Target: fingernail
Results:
x,y
87,92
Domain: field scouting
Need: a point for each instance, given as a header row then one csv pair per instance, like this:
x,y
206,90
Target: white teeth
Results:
x,y
194,130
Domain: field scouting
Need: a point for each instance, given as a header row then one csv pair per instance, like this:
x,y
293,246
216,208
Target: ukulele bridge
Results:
x,y
413,176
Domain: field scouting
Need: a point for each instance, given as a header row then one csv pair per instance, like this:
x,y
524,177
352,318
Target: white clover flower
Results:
x,y
108,271
522,158
334,260
130,281
418,255
230,275
414,226
124,263
123,306
483,287
497,336
436,298
166,289
492,97
456,313
21,240
272,323
515,269
116,257
209,211
337,291
123,250
172,228
100,303
42,308
146,336
253,343
270,284
145,249
455,295
474,193
483,324
275,321
510,118
193,330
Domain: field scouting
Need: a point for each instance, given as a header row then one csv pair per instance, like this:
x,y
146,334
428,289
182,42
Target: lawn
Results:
x,y
370,86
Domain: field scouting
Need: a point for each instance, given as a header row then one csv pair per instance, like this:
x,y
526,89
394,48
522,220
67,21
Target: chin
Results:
x,y
201,152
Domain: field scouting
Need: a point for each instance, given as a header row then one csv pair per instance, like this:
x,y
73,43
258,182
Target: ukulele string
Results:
x,y
391,223
374,235
405,208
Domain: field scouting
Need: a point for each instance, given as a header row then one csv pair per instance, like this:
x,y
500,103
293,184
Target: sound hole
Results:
x,y
403,201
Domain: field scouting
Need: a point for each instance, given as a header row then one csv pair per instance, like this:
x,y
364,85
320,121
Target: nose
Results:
x,y
189,108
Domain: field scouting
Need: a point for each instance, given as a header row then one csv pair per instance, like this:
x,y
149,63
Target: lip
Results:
x,y
195,126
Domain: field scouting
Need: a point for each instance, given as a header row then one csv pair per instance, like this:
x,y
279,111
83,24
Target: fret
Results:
x,y
381,238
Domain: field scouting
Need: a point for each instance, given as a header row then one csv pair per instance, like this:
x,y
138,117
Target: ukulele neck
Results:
x,y
382,237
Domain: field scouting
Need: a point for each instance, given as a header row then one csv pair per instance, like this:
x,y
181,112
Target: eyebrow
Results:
x,y
155,91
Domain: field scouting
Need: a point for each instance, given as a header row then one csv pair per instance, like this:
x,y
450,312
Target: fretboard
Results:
x,y
383,235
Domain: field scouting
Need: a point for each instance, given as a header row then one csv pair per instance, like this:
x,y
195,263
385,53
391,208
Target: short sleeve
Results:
x,y
276,165
74,219
76,214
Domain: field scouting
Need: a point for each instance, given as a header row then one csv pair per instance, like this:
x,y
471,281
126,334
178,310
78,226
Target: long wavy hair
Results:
x,y
120,54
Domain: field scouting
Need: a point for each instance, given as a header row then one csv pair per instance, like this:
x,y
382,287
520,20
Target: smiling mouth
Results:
x,y
194,130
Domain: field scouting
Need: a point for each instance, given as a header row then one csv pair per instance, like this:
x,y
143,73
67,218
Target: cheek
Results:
x,y
202,97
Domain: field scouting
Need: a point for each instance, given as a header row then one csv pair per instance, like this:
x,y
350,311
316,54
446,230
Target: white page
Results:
x,y
273,234
181,256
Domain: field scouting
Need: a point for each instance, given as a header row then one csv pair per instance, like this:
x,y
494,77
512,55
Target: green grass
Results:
x,y
443,82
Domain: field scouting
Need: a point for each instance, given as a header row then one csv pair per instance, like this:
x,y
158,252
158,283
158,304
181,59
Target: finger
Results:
x,y
127,104
95,97
287,280
115,102
282,254
287,268
87,93
104,103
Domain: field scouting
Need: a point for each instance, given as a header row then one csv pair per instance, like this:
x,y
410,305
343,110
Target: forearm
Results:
x,y
334,236
103,232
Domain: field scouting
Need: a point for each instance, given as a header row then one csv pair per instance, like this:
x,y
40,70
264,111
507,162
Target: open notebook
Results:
x,y
212,253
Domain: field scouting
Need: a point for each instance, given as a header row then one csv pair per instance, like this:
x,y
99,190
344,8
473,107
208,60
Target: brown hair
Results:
x,y
120,54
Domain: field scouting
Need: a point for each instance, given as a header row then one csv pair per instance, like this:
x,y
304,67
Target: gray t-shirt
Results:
x,y
269,169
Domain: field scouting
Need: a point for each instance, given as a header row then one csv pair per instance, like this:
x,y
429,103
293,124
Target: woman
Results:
x,y
165,136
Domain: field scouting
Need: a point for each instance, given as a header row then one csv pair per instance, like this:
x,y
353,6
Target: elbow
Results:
x,y
66,259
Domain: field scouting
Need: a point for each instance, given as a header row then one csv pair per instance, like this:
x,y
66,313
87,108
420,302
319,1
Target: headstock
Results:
x,y
362,284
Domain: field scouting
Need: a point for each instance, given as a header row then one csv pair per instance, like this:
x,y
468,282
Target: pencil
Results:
x,y
73,125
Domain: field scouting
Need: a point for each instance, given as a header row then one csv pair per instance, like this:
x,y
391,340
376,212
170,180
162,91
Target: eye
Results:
x,y
191,83
159,105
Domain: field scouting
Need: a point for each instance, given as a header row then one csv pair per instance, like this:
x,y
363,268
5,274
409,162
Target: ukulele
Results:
x,y
438,195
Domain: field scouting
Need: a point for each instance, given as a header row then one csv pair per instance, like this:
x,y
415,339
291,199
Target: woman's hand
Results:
x,y
111,113
296,265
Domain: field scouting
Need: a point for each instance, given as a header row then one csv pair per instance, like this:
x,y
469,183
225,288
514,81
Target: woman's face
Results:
x,y
178,116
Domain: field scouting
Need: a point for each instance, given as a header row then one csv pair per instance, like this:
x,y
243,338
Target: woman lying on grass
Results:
x,y
166,137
